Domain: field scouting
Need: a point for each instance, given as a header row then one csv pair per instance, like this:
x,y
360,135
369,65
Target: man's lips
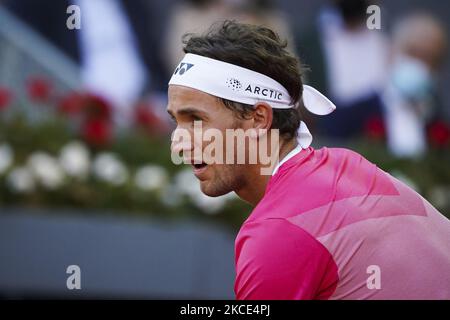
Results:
x,y
198,167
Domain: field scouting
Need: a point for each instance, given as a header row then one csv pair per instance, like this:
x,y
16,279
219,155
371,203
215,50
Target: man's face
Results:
x,y
187,106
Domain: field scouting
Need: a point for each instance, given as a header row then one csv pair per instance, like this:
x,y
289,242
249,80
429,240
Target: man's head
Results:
x,y
252,47
421,36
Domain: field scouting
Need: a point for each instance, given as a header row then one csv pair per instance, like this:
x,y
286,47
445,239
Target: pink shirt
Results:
x,y
328,219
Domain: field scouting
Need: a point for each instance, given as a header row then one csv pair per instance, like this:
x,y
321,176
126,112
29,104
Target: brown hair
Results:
x,y
260,49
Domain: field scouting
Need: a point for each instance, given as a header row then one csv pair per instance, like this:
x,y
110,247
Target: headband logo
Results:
x,y
234,84
270,93
183,68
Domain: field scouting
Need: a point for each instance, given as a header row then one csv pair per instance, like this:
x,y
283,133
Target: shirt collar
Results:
x,y
291,154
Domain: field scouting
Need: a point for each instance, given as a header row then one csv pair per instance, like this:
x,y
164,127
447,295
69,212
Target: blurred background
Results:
x,y
85,172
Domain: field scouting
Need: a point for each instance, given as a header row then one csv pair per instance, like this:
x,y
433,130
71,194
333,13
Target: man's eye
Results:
x,y
196,118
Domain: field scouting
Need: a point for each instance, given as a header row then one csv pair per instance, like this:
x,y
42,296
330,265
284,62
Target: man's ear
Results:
x,y
262,116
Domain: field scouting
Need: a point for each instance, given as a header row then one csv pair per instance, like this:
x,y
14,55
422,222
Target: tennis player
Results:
x,y
326,223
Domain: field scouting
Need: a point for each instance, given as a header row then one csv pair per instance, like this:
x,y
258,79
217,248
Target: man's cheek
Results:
x,y
213,147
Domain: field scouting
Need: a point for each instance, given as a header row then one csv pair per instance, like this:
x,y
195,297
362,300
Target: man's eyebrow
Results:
x,y
190,111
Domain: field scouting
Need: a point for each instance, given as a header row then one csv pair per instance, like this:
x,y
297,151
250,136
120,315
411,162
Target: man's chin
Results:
x,y
211,191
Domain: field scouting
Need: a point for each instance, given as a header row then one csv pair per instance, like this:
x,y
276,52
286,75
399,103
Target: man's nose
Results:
x,y
181,141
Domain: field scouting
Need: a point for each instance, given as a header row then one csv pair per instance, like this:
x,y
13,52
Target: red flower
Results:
x,y
5,98
39,89
439,134
96,107
145,118
71,104
97,132
374,128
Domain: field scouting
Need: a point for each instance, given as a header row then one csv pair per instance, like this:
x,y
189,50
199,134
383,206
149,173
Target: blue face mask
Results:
x,y
412,79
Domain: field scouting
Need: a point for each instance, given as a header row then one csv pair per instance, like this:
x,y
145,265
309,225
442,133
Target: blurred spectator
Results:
x,y
190,16
347,62
419,48
195,16
109,53
266,13
113,48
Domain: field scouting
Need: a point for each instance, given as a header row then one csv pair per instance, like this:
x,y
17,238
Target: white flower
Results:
x,y
151,177
6,157
171,196
20,180
186,183
109,168
74,159
46,170
210,205
183,182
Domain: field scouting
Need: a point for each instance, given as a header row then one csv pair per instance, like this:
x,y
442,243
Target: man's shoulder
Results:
x,y
267,233
322,159
324,166
325,176
337,153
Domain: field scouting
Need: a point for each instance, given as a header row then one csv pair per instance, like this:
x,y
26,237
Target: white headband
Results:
x,y
234,83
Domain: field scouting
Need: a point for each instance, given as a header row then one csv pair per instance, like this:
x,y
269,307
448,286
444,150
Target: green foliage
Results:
x,y
135,149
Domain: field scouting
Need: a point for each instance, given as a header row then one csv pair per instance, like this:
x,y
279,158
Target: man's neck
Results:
x,y
256,184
